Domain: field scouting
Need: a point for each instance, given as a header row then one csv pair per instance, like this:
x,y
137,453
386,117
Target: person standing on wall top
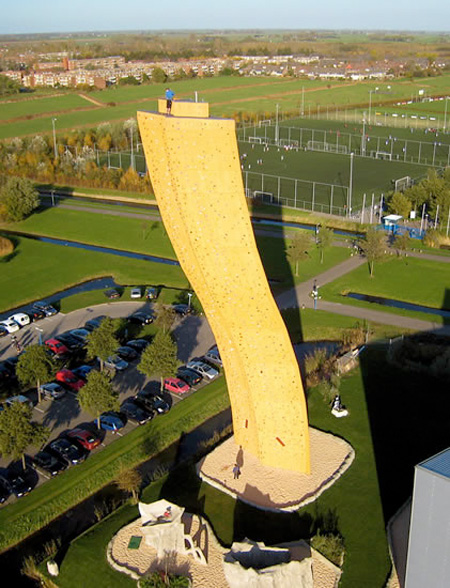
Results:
x,y
169,97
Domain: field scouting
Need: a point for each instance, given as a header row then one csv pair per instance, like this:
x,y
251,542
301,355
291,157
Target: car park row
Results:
x,y
73,446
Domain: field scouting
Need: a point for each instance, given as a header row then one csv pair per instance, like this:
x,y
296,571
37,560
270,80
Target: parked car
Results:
x,y
10,364
52,390
83,371
176,385
45,307
203,369
20,318
94,323
5,492
137,344
84,437
3,331
19,398
112,293
10,325
136,293
114,362
71,342
46,463
81,334
135,412
15,482
189,376
112,421
5,374
141,318
152,402
127,353
68,451
57,347
152,293
69,379
182,309
35,314
213,356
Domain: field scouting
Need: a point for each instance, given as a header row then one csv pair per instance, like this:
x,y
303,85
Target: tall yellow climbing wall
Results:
x,y
195,171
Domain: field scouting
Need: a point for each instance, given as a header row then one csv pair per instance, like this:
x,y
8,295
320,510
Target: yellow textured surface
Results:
x,y
185,108
195,171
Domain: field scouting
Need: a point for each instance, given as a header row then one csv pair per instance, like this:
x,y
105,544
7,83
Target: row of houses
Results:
x,y
103,72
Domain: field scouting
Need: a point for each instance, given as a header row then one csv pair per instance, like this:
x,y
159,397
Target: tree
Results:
x,y
325,238
402,242
298,249
18,431
374,246
129,480
159,76
98,395
160,357
165,317
35,366
400,204
19,198
102,342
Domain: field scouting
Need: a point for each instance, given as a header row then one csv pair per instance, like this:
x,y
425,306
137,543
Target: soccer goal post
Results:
x,y
383,155
402,184
255,139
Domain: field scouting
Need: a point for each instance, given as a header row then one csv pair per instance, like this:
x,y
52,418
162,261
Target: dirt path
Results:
x,y
93,100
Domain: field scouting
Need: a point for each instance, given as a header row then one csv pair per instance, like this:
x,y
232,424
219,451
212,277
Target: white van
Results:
x,y
20,318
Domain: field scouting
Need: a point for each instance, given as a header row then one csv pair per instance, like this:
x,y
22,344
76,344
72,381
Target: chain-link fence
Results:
x,y
434,153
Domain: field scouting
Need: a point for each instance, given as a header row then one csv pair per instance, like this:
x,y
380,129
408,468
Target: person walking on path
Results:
x,y
236,471
169,98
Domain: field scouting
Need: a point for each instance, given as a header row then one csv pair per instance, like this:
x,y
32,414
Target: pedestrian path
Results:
x,y
300,297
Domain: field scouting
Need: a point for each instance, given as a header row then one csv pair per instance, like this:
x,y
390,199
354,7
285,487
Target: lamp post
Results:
x,y
445,115
350,186
189,300
370,104
55,150
277,131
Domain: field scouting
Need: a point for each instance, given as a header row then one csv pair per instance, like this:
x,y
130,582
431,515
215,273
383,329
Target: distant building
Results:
x,y
428,562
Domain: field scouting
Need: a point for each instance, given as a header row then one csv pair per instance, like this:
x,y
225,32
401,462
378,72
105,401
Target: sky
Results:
x,y
46,16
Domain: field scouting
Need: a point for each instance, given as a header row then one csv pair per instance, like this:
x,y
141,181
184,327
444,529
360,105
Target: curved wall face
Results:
x,y
195,171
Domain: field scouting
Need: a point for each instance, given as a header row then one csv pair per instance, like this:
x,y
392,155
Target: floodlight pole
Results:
x,y
350,186
363,140
370,104
303,100
445,115
55,150
132,152
277,130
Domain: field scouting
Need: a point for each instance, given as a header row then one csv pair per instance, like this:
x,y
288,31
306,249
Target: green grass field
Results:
x,y
36,270
227,95
410,280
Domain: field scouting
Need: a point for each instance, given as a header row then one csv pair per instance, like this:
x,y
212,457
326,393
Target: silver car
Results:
x,y
114,362
203,369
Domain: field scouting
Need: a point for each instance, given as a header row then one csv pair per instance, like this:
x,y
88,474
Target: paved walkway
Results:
x,y
300,295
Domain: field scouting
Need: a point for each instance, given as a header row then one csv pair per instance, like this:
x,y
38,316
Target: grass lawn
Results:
x,y
130,234
36,270
410,280
352,505
389,437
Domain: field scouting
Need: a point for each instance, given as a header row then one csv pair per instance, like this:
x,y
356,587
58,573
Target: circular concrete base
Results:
x,y
276,489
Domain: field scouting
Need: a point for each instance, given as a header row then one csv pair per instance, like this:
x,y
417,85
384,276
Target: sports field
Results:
x,y
32,113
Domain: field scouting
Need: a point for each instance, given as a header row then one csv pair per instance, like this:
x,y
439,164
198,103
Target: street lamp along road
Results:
x,y
55,150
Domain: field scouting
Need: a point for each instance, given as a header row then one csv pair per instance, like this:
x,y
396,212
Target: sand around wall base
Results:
x,y
273,488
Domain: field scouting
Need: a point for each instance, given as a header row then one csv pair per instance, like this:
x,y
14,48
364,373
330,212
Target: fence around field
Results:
x,y
433,153
295,193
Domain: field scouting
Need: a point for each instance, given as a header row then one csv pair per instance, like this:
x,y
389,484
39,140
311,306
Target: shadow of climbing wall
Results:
x,y
195,171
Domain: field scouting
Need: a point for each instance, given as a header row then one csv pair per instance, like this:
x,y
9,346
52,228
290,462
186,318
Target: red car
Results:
x,y
69,379
85,438
56,347
176,385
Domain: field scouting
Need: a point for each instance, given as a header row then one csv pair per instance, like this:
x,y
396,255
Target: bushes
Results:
x,y
6,246
330,545
422,353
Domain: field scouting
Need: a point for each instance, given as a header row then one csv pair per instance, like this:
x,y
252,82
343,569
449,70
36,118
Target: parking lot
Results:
x,y
193,336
